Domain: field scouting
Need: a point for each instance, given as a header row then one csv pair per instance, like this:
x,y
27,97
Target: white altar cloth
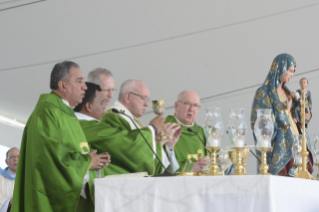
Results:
x,y
216,193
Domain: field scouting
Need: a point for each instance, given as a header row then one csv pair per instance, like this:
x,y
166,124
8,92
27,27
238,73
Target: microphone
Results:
x,y
192,131
254,154
166,173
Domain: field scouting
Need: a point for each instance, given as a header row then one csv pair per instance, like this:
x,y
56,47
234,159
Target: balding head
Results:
x,y
134,95
187,106
12,157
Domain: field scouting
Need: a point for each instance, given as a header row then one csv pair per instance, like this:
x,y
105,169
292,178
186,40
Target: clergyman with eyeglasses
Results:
x,y
189,150
135,156
7,178
103,78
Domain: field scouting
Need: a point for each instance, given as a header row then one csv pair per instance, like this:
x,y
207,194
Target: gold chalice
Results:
x,y
158,106
159,109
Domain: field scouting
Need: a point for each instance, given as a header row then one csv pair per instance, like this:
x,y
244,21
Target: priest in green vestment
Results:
x,y
189,150
128,149
131,151
54,162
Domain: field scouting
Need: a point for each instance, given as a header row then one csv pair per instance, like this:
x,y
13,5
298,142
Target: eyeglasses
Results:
x,y
13,157
144,98
188,105
113,90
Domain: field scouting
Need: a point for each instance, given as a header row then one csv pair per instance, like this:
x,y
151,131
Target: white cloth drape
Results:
x,y
207,193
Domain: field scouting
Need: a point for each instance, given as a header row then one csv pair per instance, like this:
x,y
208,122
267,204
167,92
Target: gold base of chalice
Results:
x,y
161,136
237,159
264,166
213,168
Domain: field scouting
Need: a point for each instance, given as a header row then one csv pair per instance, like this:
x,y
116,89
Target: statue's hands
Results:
x,y
289,102
308,115
200,164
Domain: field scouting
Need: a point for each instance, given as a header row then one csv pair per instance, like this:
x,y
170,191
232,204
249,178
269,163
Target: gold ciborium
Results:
x,y
264,166
159,109
213,168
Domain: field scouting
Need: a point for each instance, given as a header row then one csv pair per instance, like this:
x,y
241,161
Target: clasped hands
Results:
x,y
99,161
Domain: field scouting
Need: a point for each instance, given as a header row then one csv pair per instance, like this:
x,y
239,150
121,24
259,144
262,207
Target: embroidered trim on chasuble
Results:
x,y
85,148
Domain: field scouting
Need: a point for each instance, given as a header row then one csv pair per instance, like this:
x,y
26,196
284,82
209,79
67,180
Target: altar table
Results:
x,y
215,193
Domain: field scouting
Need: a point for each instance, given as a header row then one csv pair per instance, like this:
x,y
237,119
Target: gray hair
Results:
x,y
10,150
94,76
61,71
127,86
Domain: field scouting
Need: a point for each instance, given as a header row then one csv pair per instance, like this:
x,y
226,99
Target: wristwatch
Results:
x,y
155,129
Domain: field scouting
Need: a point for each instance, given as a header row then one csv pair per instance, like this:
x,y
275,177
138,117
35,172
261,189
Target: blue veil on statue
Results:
x,y
283,138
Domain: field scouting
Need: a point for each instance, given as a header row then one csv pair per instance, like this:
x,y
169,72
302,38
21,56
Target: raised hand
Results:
x,y
172,130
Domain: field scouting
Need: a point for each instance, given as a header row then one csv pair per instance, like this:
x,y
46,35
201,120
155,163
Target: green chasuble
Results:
x,y
189,147
128,150
53,160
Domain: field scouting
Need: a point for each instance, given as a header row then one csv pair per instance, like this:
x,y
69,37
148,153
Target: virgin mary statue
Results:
x,y
275,95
